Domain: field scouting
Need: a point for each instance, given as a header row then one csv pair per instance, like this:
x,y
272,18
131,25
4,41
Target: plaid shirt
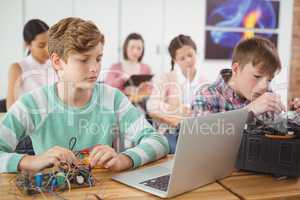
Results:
x,y
217,97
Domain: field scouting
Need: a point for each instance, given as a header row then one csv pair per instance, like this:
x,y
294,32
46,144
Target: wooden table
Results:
x,y
242,173
262,187
241,185
110,189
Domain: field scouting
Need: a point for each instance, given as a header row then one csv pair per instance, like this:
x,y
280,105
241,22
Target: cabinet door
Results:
x,y
106,15
182,17
11,39
146,18
47,10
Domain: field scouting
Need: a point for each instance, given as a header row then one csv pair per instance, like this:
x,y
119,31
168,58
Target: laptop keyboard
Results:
x,y
159,183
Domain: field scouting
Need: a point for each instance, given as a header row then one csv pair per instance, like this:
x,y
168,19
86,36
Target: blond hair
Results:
x,y
73,35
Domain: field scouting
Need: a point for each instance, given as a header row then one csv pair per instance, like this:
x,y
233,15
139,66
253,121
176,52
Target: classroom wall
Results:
x,y
157,20
11,48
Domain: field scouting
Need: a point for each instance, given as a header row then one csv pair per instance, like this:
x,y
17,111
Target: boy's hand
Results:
x,y
52,157
295,104
186,111
267,102
107,157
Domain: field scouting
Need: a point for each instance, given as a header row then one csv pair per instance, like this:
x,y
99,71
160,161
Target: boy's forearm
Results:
x,y
9,161
127,162
34,163
151,147
25,163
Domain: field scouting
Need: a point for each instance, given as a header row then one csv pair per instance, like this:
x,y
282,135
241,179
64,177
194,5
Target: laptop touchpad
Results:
x,y
152,171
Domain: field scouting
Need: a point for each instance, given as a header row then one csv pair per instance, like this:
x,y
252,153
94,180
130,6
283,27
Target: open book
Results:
x,y
136,80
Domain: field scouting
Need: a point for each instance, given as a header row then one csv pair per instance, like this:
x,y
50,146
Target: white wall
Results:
x,y
157,20
11,48
48,11
146,18
106,15
280,83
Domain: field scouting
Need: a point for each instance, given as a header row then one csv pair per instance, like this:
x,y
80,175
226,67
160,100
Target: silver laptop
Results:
x,y
206,151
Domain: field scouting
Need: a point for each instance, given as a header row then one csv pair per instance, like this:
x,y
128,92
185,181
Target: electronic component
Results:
x,y
265,149
64,177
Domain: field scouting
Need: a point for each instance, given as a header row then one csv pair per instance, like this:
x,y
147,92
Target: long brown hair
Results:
x,y
178,42
133,36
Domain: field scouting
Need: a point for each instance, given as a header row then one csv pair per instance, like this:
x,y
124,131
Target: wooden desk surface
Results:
x,y
242,173
262,187
241,185
109,189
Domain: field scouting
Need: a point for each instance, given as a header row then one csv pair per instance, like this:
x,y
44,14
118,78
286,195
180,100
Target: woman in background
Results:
x,y
35,70
133,52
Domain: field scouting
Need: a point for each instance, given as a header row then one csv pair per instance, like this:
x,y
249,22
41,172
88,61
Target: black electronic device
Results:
x,y
137,79
271,149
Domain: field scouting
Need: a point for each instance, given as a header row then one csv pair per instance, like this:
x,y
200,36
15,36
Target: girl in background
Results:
x,y
35,70
173,92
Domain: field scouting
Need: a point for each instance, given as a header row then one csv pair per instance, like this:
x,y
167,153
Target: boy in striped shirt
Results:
x,y
77,106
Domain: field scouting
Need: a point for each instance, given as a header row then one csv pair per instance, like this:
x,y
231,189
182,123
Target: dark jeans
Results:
x,y
3,105
25,146
172,137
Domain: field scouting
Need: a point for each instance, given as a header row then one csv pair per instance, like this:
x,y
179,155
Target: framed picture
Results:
x,y
229,21
262,14
220,44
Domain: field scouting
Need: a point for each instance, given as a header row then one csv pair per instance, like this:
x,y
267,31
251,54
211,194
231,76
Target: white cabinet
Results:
x,y
146,18
11,39
106,15
158,21
47,10
184,17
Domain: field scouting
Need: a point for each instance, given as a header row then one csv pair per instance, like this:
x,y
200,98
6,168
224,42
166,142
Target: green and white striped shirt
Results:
x,y
49,122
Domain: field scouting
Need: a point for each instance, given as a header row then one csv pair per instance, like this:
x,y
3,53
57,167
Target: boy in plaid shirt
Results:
x,y
255,62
